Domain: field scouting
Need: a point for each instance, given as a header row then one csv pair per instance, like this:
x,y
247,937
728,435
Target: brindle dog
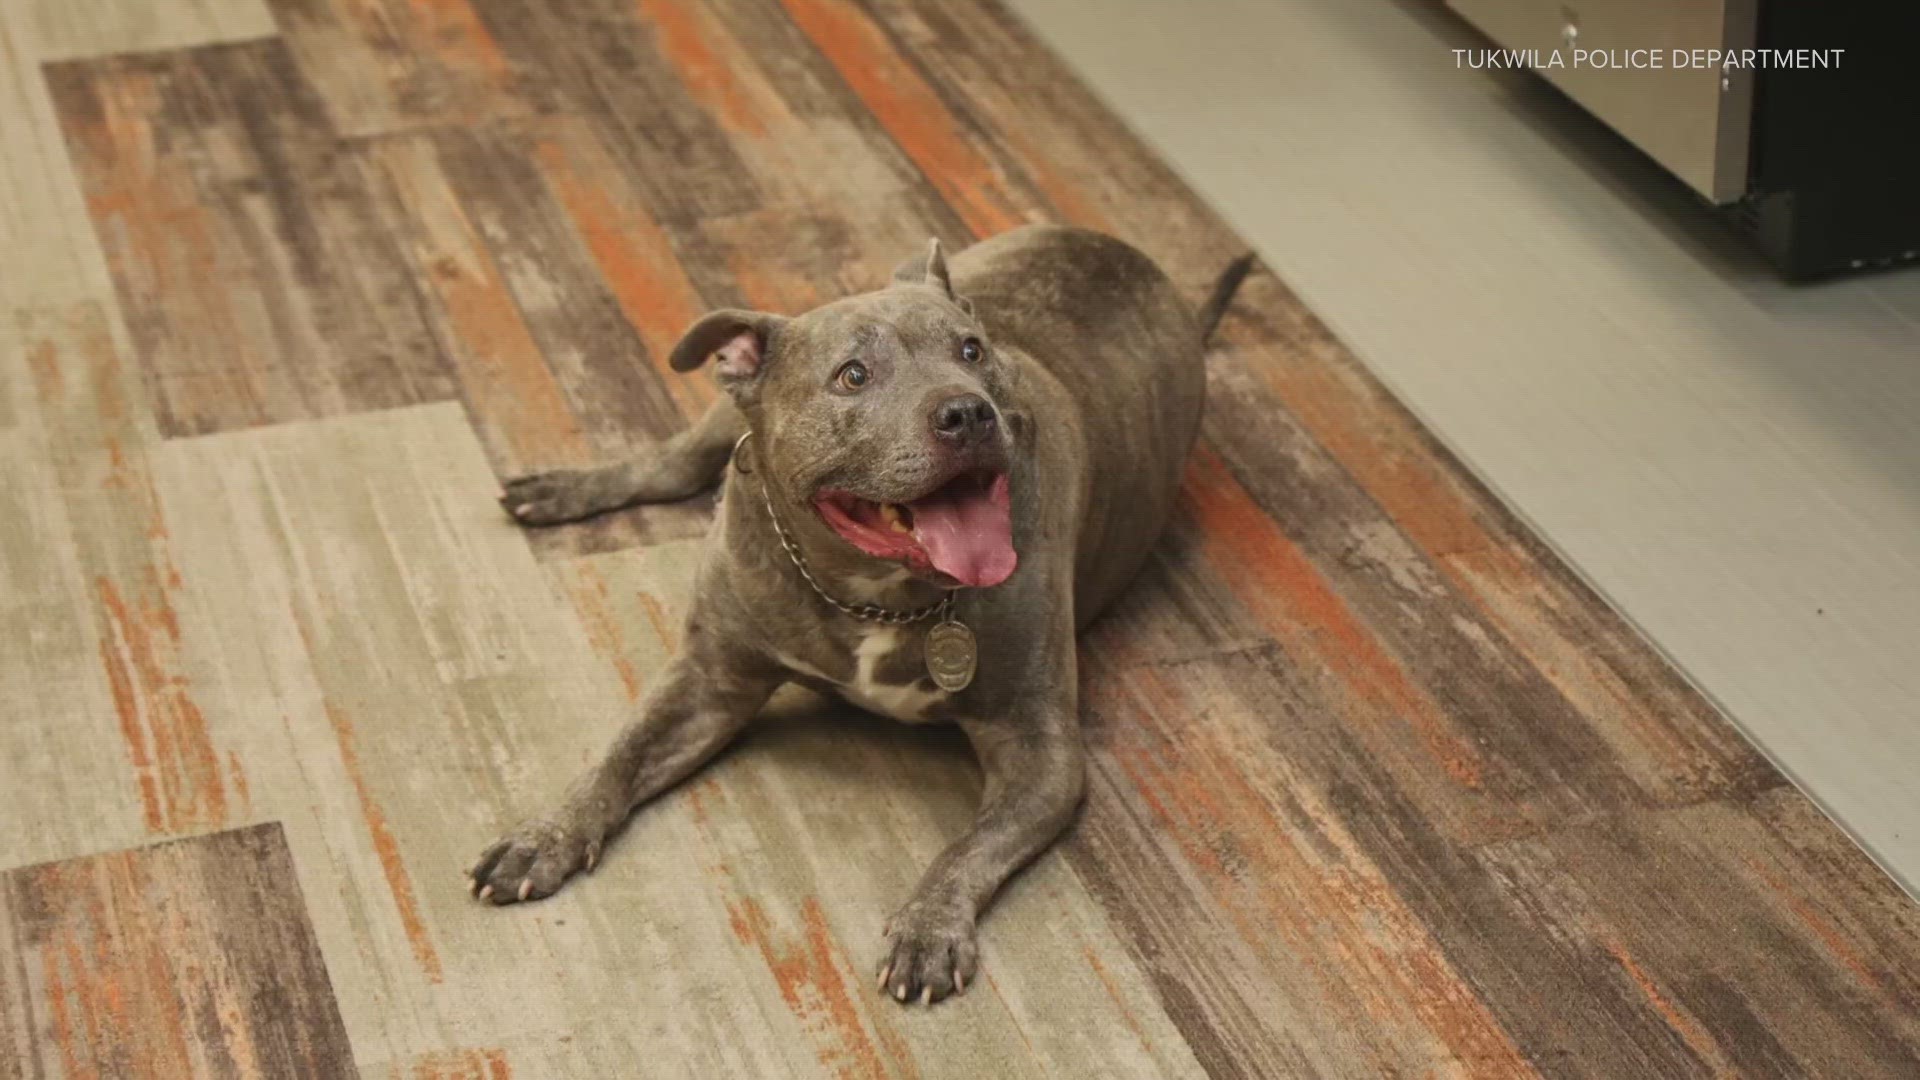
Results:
x,y
1009,434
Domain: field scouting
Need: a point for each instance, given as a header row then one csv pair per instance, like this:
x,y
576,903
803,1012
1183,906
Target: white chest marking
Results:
x,y
794,663
908,702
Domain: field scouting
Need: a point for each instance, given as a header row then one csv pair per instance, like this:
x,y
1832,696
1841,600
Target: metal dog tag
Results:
x,y
951,655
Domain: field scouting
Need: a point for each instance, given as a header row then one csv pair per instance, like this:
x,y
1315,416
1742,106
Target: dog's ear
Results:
x,y
931,271
928,269
740,339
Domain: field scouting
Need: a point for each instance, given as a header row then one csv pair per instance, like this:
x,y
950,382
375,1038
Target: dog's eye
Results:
x,y
971,350
852,375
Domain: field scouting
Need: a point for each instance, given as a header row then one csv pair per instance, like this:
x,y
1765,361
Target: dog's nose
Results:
x,y
964,418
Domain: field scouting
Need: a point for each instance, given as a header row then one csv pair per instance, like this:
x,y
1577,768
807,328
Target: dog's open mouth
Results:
x,y
963,529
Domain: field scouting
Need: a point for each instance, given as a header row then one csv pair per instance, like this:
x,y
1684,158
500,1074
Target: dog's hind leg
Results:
x,y
683,466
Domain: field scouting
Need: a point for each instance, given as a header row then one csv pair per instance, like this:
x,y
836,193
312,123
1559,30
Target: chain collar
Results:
x,y
866,612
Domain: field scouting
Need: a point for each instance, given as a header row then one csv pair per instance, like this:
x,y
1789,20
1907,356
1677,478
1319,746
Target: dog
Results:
x,y
936,485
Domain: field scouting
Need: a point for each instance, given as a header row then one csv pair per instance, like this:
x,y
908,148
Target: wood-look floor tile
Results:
x,y
96,434
1229,830
250,259
79,29
1048,136
193,957
603,59
43,216
385,66
1745,960
385,628
65,757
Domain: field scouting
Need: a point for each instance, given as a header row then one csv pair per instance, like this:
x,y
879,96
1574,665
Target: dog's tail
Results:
x,y
1223,289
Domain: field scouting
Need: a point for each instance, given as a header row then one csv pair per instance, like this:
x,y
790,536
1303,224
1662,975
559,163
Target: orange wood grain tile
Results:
x,y
635,256
190,958
909,109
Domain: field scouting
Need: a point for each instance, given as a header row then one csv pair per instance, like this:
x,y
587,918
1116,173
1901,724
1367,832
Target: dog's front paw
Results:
x,y
552,498
930,953
533,861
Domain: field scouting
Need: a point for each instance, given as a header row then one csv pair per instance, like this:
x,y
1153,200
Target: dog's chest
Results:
x,y
884,672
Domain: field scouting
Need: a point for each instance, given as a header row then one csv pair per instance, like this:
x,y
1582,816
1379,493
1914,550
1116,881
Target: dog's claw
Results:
x,y
534,860
931,953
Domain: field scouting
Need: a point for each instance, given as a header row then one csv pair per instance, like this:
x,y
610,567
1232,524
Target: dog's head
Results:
x,y
879,413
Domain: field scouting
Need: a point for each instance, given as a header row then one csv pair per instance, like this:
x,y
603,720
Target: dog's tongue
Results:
x,y
967,529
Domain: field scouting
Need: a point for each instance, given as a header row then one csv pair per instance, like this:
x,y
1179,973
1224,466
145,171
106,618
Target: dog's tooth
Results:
x,y
890,512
